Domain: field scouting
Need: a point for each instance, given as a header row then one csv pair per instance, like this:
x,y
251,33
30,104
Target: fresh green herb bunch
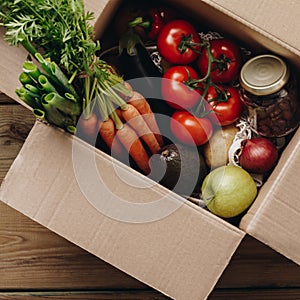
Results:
x,y
60,27
59,35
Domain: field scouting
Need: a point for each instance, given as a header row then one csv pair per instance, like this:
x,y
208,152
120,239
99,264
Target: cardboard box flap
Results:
x,y
257,30
274,218
276,18
182,253
103,11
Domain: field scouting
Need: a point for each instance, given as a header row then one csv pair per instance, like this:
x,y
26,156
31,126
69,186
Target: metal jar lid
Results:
x,y
264,74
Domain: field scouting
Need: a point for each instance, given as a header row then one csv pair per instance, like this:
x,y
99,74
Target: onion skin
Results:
x,y
258,155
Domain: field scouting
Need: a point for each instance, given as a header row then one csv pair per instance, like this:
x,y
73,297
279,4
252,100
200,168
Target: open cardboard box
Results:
x,y
183,253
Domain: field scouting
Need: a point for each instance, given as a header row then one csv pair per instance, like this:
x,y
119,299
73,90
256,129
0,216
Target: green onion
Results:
x,y
31,69
45,84
63,104
28,97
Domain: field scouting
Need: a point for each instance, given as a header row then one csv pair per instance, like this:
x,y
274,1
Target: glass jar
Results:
x,y
270,94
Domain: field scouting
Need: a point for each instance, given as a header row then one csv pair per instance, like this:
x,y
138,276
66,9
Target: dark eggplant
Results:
x,y
137,63
134,63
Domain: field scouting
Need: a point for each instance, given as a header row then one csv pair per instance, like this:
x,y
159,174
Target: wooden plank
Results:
x,y
105,295
15,124
257,294
5,99
265,294
256,265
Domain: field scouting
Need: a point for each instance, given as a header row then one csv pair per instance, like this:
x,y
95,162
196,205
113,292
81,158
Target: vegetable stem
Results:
x,y
63,104
32,70
118,123
115,98
45,84
29,47
62,79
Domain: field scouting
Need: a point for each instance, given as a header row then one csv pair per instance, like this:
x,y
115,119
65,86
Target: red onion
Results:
x,y
258,155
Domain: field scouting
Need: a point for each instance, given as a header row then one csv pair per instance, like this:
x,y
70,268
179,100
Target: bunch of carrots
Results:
x,y
123,121
75,88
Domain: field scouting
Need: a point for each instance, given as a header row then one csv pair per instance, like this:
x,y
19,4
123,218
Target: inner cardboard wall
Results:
x,y
223,20
210,15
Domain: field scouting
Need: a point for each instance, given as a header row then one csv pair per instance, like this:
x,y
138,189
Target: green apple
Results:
x,y
228,191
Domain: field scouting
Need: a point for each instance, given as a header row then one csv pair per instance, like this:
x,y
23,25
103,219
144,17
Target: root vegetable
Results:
x,y
134,146
88,126
216,150
143,107
136,121
107,132
258,155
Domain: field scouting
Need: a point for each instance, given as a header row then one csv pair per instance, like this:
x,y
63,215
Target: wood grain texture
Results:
x,y
100,295
264,294
15,124
37,263
282,294
255,265
5,100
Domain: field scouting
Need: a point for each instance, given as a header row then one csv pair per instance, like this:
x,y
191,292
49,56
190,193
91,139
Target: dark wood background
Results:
x,y
36,263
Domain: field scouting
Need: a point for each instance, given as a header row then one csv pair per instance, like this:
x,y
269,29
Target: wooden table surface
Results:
x,y
36,263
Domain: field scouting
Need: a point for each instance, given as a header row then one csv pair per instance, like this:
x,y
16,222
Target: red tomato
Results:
x,y
177,88
225,111
174,42
158,17
226,63
189,129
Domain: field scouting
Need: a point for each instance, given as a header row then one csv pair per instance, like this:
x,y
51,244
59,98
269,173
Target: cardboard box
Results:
x,y
140,227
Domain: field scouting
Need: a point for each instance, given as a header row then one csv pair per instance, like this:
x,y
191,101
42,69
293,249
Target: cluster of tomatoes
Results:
x,y
201,82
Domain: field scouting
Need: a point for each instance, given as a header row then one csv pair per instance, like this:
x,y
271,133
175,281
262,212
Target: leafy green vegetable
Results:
x,y
60,27
59,35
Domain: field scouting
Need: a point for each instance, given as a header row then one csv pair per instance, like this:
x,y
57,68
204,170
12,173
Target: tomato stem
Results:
x,y
186,42
222,63
222,96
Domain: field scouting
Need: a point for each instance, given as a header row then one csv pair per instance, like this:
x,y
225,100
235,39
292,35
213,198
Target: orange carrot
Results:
x,y
133,145
128,85
143,107
137,122
119,113
88,126
107,132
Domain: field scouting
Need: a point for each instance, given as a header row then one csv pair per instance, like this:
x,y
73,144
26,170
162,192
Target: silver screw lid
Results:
x,y
264,74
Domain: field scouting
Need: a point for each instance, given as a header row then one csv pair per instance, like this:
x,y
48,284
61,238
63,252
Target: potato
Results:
x,y
215,151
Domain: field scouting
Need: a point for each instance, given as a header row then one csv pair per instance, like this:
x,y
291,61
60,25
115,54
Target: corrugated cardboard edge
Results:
x,y
274,218
258,36
182,255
